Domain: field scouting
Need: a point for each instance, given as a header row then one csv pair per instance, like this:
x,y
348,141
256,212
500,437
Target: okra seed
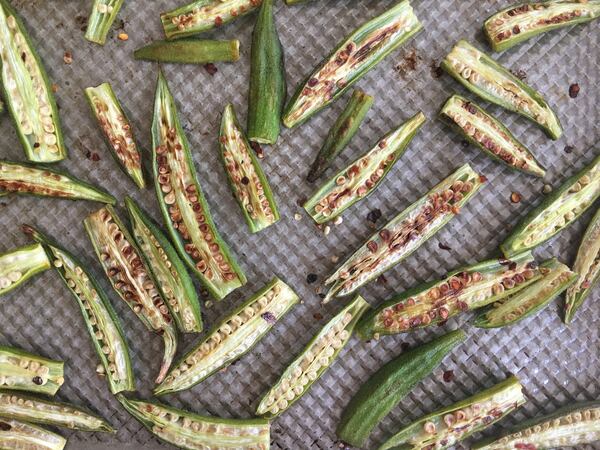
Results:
x,y
429,427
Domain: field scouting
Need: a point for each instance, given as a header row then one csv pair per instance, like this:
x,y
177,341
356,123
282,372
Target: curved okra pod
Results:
x,y
248,181
100,318
556,212
182,202
353,58
19,265
314,360
23,371
488,133
21,435
232,338
103,15
483,76
190,51
364,175
128,274
406,232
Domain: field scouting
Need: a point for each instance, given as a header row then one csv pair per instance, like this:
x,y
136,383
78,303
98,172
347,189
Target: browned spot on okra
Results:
x,y
19,186
188,20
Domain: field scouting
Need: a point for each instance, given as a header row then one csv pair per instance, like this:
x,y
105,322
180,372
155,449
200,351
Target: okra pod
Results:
x,y
520,22
406,232
21,435
390,384
556,212
103,15
23,371
190,51
364,175
483,76
314,360
489,135
448,426
353,58
182,202
19,265
343,130
232,338
117,130
127,271
247,179
100,318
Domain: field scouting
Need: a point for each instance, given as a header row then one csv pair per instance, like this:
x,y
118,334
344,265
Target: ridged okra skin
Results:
x,y
190,51
20,435
23,371
20,264
102,17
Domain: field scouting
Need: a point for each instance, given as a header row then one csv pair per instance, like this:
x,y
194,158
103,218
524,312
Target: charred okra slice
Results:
x,y
22,371
248,181
485,77
390,384
363,175
168,269
104,13
27,91
488,133
128,274
182,202
19,265
448,426
100,318
314,360
556,212
21,435
520,22
232,338
117,131
353,58
406,232
190,51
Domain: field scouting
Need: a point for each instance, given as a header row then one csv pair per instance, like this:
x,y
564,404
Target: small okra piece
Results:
x,y
315,359
556,212
190,51
182,203
19,265
129,275
364,175
247,179
406,232
489,135
450,425
117,131
100,318
351,60
23,371
232,338
21,435
103,15
483,76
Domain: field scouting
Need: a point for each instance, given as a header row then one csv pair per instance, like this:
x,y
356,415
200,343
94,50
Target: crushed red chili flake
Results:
x,y
317,316
210,68
311,278
520,74
410,61
515,197
381,279
436,70
68,58
444,247
404,346
374,215
574,90
569,149
257,149
448,376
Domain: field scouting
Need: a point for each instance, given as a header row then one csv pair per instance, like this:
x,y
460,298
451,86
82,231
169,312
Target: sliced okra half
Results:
x,y
351,60
182,203
483,76
21,435
232,338
19,265
126,269
314,360
103,15
190,51
27,91
556,212
406,232
23,371
448,426
100,318
364,175
247,179
489,135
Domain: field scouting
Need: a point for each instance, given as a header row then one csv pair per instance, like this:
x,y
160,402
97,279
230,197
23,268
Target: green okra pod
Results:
x,y
23,371
21,435
102,16
19,265
190,51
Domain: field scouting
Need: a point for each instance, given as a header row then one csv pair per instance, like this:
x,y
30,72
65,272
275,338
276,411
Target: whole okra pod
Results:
x,y
190,51
103,15
23,371
21,435
19,265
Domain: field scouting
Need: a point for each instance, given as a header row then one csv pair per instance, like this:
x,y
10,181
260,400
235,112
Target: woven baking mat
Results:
x,y
557,365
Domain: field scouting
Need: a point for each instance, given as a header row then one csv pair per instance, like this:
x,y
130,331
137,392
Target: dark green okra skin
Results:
x,y
24,435
190,51
390,384
20,264
23,371
102,16
342,131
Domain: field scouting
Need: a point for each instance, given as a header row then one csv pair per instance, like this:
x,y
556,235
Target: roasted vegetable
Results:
x,y
21,435
19,265
22,371
190,51
104,13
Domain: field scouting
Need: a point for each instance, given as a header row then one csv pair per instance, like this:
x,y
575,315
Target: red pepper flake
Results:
x,y
218,21
482,179
515,197
257,149
381,279
54,88
374,215
92,156
448,376
311,278
404,346
317,316
520,74
211,69
436,70
444,247
569,149
574,90
68,58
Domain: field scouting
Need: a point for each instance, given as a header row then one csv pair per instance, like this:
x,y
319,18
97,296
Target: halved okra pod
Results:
x,y
247,179
128,274
19,265
100,318
406,232
485,77
390,384
520,22
363,175
556,212
353,58
103,15
23,371
182,202
314,360
232,338
488,133
448,426
117,131
190,51
21,435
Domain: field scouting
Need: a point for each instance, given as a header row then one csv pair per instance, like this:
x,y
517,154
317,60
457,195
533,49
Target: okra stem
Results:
x,y
21,435
19,265
103,15
190,51
23,371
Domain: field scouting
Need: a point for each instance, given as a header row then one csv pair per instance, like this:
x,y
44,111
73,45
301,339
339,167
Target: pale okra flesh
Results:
x,y
15,435
364,175
19,265
314,360
483,76
23,371
232,338
406,232
103,15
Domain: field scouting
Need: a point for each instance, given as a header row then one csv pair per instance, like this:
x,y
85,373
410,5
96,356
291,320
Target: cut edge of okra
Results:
x,y
101,19
26,435
190,51
20,264
24,371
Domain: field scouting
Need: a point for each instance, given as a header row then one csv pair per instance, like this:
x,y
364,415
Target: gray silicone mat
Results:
x,y
557,365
